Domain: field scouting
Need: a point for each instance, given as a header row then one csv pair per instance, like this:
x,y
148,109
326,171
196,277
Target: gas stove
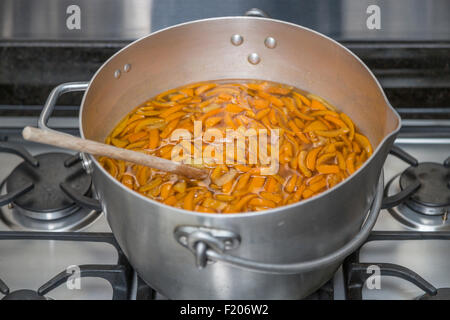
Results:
x,y
406,238
45,244
56,231
55,242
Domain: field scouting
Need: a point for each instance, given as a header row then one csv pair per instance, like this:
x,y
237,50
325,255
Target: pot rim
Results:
x,y
252,213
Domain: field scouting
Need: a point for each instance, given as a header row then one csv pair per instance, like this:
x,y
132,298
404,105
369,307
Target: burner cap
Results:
x,y
442,294
24,294
433,196
47,196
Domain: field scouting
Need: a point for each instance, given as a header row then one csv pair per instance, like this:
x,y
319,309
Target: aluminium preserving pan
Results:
x,y
283,253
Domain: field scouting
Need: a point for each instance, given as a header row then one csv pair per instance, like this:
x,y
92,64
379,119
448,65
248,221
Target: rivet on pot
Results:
x,y
254,58
183,240
127,67
117,74
228,244
86,163
270,42
237,39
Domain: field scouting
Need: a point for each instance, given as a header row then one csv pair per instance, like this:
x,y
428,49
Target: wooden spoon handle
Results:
x,y
100,149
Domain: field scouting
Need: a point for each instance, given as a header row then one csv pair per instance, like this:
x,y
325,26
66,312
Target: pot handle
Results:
x,y
256,12
206,245
50,105
86,202
53,97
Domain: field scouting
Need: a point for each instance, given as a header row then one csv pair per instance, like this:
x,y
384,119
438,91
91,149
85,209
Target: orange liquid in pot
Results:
x,y
318,146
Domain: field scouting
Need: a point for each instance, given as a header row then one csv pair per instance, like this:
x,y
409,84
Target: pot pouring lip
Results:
x,y
315,198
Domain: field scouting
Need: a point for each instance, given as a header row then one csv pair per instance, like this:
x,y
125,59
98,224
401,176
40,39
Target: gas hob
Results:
x,y
399,251
407,255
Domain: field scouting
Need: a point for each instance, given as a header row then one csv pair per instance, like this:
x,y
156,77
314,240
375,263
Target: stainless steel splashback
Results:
x,y
132,19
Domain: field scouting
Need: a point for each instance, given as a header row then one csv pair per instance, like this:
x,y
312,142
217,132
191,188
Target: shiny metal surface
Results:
x,y
53,97
425,150
58,214
430,259
270,42
72,218
15,219
414,220
132,19
256,12
145,232
254,58
294,268
30,263
236,39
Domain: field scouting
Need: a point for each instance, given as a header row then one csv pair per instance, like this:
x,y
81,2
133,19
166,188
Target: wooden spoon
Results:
x,y
100,149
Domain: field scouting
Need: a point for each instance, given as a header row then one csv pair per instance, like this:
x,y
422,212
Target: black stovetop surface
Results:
x,y
414,75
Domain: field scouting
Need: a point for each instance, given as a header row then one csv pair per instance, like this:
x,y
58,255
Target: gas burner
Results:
x,y
46,200
433,196
442,294
47,192
24,294
419,197
15,220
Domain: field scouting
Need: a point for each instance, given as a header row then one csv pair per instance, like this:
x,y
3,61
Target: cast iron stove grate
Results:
x,y
49,191
355,272
424,190
419,197
119,275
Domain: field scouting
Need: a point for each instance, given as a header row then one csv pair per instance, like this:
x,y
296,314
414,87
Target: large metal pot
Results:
x,y
284,253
